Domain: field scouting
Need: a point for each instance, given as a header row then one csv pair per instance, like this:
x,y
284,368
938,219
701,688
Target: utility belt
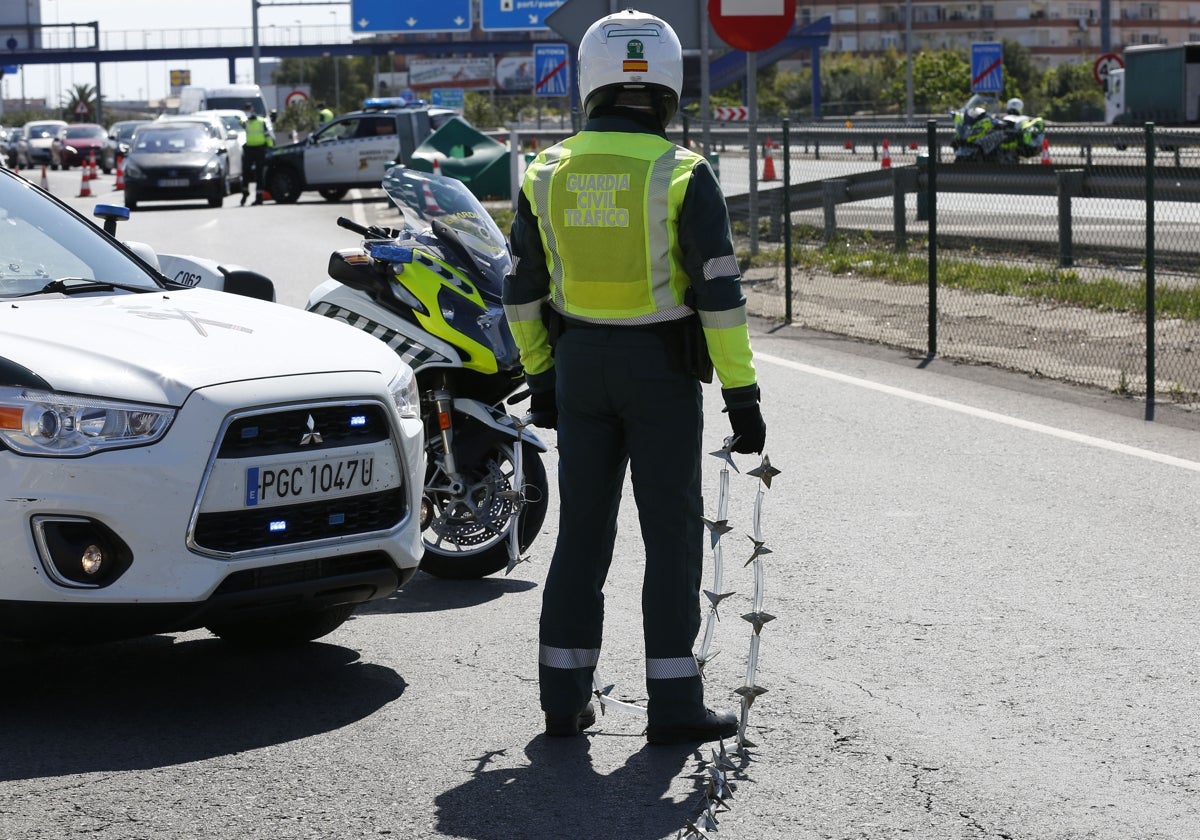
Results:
x,y
683,338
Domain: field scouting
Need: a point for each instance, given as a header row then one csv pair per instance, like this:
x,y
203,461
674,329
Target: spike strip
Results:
x,y
756,635
718,567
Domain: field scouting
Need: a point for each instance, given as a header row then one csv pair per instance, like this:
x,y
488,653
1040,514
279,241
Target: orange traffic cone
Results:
x,y
85,188
768,173
886,163
91,168
45,181
120,184
437,167
1046,150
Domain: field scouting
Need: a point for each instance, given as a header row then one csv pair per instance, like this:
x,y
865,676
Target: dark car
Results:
x,y
171,161
120,136
80,143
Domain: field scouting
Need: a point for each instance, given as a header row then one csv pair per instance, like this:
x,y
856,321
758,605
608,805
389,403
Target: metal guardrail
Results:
x,y
1064,182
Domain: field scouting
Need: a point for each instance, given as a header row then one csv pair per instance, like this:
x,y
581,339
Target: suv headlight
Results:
x,y
66,425
404,393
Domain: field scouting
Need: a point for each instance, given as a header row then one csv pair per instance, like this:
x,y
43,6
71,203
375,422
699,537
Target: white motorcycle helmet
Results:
x,y
1015,106
631,51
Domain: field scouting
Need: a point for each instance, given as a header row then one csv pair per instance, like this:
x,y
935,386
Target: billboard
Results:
x,y
514,74
450,72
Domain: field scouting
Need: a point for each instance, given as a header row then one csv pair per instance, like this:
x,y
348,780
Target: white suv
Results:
x,y
175,457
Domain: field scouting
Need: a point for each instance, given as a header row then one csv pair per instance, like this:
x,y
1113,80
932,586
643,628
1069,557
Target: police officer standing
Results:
x,y
324,114
624,257
254,153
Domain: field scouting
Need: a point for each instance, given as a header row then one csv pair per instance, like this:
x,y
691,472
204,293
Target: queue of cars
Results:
x,y
167,159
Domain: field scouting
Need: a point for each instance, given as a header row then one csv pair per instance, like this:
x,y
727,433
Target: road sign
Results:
x,y
739,113
410,16
572,19
1106,64
500,15
550,70
752,25
296,97
447,97
987,67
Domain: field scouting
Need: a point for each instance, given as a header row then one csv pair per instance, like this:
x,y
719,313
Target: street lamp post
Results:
x,y
337,80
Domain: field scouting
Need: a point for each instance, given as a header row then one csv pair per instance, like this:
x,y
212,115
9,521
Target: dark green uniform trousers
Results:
x,y
624,398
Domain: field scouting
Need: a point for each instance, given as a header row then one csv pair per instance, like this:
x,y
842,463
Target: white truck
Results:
x,y
175,457
193,98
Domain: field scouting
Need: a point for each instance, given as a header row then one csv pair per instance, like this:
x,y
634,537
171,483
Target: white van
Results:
x,y
194,98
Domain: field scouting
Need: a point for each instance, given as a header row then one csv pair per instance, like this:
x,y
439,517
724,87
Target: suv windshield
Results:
x,y
41,241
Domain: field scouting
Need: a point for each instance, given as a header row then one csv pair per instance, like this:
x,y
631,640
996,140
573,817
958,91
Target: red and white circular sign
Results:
x,y
1105,63
752,25
296,97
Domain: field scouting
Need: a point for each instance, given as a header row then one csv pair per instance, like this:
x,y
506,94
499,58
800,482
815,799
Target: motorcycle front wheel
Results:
x,y
466,533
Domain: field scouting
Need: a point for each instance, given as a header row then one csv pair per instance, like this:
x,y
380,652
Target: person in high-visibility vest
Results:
x,y
324,114
254,153
624,296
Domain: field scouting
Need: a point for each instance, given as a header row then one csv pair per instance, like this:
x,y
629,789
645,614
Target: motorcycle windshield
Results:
x,y
423,198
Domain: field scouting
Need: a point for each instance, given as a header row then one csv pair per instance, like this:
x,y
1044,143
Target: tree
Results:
x,y
81,94
1069,93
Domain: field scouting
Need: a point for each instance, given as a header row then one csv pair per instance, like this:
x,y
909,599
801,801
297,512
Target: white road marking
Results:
x,y
1065,434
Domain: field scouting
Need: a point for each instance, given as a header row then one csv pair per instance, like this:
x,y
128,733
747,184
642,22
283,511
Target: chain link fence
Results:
x,y
1078,265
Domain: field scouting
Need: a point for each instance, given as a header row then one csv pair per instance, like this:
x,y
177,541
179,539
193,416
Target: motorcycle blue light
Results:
x,y
278,526
392,253
358,420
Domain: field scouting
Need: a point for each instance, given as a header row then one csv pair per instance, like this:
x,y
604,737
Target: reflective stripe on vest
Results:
x,y
607,205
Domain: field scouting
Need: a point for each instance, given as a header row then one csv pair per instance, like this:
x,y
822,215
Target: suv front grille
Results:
x,y
304,572
321,430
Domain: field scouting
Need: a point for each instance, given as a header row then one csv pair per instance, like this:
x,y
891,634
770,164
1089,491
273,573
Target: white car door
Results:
x,y
353,150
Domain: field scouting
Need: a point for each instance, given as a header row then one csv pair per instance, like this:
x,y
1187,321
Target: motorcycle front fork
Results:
x,y
443,405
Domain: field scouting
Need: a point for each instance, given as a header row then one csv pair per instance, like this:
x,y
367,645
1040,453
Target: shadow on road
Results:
x,y
426,593
560,794
154,702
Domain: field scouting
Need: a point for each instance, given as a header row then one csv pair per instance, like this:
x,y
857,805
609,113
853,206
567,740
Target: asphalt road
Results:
x,y
985,601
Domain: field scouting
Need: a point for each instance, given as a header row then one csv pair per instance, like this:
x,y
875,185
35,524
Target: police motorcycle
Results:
x,y
430,289
981,136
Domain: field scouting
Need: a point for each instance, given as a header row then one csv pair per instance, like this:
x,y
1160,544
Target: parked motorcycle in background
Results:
x,y
431,290
981,136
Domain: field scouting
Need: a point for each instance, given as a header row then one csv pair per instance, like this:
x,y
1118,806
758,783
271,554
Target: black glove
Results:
x,y
746,420
543,409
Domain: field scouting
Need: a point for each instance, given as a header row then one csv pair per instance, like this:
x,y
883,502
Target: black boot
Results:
x,y
559,726
713,726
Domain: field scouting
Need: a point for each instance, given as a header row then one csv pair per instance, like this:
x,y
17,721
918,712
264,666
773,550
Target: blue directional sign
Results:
x,y
550,70
410,16
987,68
498,15
447,97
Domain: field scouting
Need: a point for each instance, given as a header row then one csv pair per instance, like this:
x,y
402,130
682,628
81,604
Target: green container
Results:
x,y
468,155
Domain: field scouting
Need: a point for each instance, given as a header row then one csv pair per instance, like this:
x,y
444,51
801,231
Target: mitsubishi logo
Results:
x,y
312,435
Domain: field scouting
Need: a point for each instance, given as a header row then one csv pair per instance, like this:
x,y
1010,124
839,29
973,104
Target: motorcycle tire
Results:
x,y
463,551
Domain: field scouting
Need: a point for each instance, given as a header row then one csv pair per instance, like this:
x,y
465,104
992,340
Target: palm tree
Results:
x,y
81,93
